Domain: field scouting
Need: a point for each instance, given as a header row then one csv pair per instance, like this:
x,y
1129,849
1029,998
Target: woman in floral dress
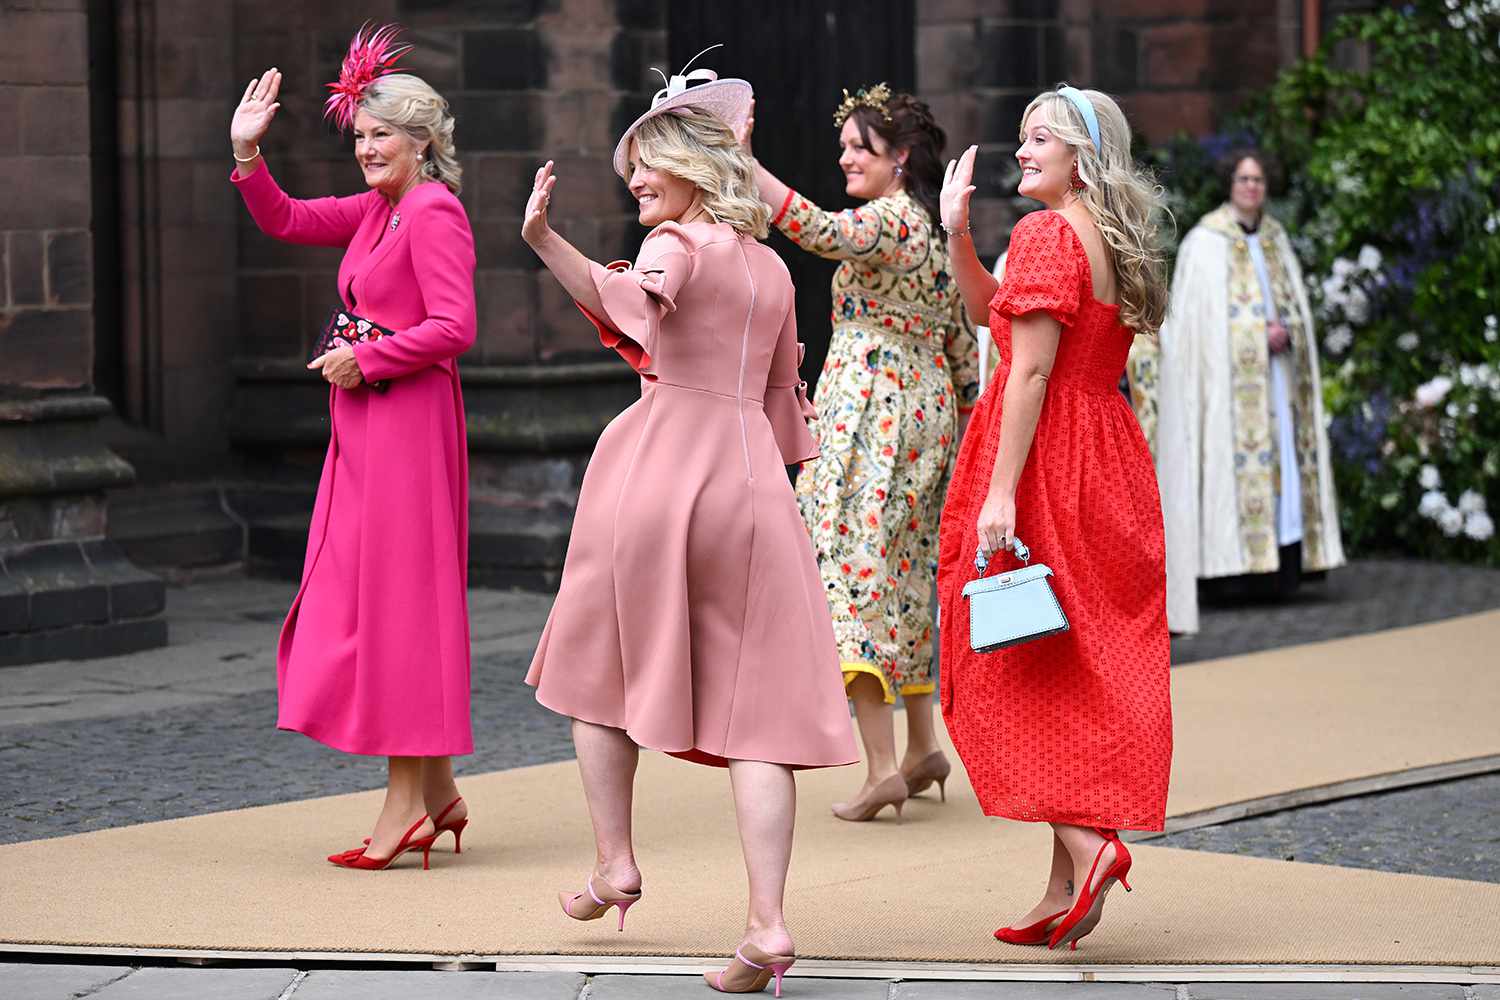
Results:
x,y
902,365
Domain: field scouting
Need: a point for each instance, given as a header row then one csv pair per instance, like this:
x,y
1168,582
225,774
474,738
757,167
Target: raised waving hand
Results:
x,y
253,116
535,229
958,186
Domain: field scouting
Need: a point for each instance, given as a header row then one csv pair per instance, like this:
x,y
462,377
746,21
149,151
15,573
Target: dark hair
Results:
x,y
912,128
1235,157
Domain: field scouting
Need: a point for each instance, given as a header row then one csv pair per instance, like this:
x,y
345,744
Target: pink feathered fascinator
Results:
x,y
372,54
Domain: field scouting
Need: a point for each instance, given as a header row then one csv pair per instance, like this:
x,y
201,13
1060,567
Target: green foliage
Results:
x,y
1394,203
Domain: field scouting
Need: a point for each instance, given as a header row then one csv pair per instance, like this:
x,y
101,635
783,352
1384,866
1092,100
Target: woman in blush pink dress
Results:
x,y
690,617
374,655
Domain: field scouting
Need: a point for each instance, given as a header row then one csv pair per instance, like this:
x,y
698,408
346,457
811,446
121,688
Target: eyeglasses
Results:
x,y
1249,179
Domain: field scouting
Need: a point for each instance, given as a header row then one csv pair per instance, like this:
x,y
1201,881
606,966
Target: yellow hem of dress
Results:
x,y
853,668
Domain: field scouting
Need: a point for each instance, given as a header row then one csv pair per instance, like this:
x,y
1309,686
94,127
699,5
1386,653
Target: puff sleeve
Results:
x,y
636,299
786,404
1043,271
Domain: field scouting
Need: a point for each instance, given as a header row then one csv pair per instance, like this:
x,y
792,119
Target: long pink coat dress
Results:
x,y
374,655
690,613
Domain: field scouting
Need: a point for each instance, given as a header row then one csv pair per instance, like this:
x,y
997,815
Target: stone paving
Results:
x,y
1447,829
19,981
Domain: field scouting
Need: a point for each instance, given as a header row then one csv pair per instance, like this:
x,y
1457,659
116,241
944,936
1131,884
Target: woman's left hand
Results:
x,y
339,367
997,523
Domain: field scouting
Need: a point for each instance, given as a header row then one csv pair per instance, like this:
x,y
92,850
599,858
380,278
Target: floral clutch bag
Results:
x,y
344,329
1012,608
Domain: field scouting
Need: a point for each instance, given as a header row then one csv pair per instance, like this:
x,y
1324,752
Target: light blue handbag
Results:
x,y
1014,607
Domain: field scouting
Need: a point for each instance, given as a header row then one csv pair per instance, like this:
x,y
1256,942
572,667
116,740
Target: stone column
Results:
x,y
65,592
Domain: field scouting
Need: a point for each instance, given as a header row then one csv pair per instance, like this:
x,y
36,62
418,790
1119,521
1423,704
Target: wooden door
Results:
x,y
799,54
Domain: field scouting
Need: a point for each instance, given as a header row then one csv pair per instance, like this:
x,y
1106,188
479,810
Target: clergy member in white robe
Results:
x,y
1230,400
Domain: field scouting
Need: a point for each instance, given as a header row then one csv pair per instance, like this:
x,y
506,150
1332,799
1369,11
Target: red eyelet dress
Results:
x,y
1075,728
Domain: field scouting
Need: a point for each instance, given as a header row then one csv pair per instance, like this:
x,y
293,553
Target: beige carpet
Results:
x,y
929,889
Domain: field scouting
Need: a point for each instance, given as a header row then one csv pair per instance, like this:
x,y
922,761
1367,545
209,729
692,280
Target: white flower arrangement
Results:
x,y
1340,338
1433,392
1343,290
1471,502
1479,527
1450,522
1491,328
1430,479
1432,504
1408,341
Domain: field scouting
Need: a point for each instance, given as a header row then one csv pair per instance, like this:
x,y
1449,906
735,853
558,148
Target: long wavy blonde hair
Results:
x,y
699,148
1123,199
409,103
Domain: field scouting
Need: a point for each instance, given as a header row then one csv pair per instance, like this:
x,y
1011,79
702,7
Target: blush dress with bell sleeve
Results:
x,y
690,612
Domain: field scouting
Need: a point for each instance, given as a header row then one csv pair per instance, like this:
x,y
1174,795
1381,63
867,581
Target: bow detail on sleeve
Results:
x,y
789,410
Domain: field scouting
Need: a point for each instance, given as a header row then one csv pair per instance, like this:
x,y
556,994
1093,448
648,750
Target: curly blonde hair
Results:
x,y
1123,199
702,150
409,103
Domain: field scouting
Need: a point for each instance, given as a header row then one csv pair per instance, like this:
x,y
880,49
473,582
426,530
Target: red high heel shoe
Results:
x,y
357,858
457,826
1036,933
1084,915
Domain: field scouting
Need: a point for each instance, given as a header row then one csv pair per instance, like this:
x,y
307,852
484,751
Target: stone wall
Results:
x,y
64,590
46,304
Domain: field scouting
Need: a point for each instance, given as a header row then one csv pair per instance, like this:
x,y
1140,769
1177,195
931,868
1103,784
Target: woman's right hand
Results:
x,y
256,109
535,229
958,185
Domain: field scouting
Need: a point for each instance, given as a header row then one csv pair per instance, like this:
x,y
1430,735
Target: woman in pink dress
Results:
x,y
374,655
690,618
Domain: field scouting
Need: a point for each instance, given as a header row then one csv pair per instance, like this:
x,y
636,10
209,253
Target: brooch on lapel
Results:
x,y
395,221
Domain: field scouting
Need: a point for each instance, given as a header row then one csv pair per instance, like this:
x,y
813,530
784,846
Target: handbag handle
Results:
x,y
1016,545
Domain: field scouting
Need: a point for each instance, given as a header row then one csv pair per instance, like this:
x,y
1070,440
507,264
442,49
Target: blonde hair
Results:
x,y
1123,199
409,103
700,149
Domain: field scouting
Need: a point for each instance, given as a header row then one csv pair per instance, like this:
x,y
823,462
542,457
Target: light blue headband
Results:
x,y
1085,108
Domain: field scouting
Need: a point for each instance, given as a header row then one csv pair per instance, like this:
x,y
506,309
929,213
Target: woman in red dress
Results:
x,y
1074,730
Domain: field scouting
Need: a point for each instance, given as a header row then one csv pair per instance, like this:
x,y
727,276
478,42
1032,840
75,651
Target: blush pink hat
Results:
x,y
727,100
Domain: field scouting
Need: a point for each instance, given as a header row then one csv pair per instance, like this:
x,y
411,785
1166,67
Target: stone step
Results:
x,y
185,527
74,600
509,546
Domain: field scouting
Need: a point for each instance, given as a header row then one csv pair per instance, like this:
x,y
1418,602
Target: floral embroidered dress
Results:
x,y
902,364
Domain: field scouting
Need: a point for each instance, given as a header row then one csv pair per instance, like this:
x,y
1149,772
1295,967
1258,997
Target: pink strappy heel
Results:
x,y
749,971
599,902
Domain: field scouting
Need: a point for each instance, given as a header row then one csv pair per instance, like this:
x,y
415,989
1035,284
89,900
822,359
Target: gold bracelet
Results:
x,y
252,158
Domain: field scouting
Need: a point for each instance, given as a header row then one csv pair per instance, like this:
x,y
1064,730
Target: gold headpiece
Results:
x,y
871,97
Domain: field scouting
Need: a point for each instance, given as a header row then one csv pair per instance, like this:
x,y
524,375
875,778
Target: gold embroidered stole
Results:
x,y
1257,459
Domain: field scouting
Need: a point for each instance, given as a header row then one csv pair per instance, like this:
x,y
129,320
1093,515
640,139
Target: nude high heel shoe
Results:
x,y
750,971
933,767
596,899
890,792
